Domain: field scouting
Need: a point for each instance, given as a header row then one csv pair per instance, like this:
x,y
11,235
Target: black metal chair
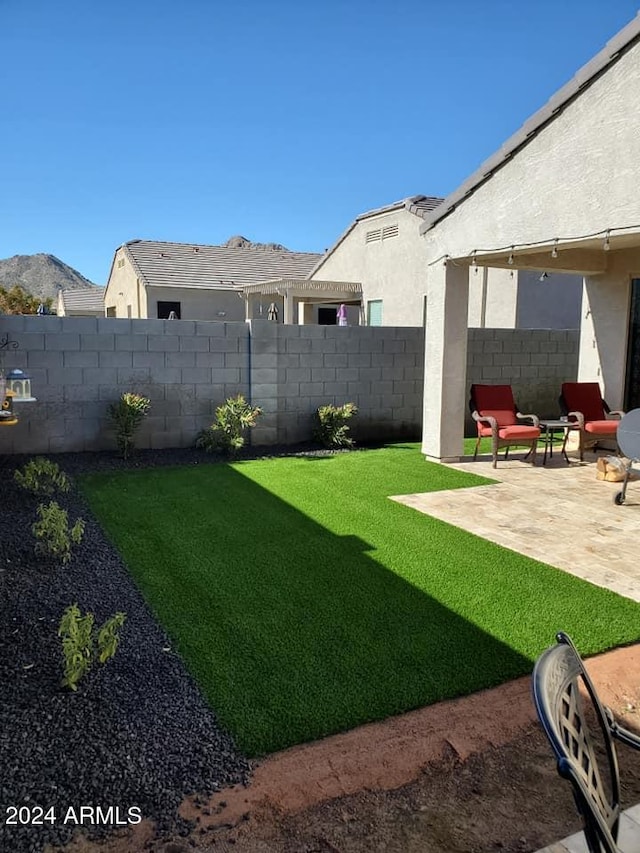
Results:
x,y
561,707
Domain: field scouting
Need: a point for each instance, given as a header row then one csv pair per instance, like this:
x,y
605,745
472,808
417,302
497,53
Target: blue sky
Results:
x,y
278,120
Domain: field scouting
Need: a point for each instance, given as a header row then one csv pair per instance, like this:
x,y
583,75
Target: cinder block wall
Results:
x,y
535,362
296,369
78,365
187,368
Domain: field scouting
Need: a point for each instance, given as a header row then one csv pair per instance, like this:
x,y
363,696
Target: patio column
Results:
x,y
603,334
289,306
445,366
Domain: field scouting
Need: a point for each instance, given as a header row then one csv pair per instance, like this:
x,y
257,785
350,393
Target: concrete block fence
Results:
x,y
79,365
535,362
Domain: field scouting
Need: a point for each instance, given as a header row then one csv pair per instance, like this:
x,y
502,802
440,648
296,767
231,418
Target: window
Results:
x,y
120,263
374,312
327,316
129,311
165,308
111,311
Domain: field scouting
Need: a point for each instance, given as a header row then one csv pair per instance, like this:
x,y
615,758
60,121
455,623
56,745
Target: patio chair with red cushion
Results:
x,y
496,415
583,404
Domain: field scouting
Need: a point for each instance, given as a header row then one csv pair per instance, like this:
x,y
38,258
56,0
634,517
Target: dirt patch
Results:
x,y
468,776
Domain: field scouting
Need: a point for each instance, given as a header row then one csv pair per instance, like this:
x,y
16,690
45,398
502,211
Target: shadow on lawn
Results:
x,y
293,632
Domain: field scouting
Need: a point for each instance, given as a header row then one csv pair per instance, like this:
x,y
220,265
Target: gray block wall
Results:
x,y
296,369
79,365
535,362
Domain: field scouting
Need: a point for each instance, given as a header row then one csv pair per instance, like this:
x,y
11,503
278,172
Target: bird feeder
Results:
x,y
19,383
7,415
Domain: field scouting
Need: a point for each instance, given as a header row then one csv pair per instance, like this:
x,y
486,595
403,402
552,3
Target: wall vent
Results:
x,y
389,231
373,236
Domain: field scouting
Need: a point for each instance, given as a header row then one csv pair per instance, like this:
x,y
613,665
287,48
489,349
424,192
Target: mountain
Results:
x,y
240,242
41,275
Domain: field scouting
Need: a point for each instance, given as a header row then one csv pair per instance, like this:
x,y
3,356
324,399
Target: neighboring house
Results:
x,y
152,279
81,302
384,251
560,195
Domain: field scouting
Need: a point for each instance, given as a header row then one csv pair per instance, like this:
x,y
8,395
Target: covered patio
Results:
x,y
558,196
299,301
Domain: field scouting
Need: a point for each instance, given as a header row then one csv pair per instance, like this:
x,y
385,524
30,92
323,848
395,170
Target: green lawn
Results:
x,y
306,602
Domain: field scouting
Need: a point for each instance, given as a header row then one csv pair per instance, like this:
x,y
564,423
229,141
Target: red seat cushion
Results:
x,y
585,397
602,427
518,431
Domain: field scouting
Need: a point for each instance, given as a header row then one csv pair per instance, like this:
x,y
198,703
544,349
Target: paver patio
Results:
x,y
558,513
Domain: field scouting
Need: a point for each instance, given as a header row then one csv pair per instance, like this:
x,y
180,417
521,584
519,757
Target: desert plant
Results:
x,y
331,428
76,633
126,416
79,640
227,432
53,534
108,638
41,476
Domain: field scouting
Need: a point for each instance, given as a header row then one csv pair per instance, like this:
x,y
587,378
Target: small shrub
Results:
x,y
126,416
52,531
76,632
226,433
331,428
79,641
108,638
41,476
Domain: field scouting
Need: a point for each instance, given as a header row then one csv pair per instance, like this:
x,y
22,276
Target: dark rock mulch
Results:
x,y
138,732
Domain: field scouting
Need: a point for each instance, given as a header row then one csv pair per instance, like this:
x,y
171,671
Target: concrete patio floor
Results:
x,y
557,513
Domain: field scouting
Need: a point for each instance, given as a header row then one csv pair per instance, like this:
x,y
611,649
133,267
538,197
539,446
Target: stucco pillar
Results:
x,y
289,309
445,375
603,334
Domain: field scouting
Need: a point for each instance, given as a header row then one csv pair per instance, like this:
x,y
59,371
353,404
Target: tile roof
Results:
x,y
420,205
216,267
83,299
612,51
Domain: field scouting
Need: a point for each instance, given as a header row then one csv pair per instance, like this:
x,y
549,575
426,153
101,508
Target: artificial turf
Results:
x,y
306,602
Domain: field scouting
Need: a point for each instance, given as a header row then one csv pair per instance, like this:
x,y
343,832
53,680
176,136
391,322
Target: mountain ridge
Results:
x,y
41,275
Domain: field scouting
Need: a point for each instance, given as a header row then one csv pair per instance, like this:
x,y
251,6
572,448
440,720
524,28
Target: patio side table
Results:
x,y
548,428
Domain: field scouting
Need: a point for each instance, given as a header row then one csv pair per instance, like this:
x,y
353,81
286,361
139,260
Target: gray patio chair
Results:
x,y
565,714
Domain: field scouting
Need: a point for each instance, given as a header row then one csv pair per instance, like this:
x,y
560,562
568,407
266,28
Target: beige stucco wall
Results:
x,y
605,325
493,298
198,303
124,289
396,271
392,270
573,178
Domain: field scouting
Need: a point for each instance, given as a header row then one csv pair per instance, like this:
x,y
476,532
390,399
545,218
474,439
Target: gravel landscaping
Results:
x,y
138,733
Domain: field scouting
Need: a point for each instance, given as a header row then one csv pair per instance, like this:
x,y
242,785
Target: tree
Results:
x,y
18,301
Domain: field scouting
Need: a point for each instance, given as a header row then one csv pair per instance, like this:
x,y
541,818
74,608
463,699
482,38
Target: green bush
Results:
x,y
54,537
79,641
126,416
41,476
331,428
227,433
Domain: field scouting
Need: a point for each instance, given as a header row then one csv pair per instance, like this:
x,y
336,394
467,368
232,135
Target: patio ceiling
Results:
x,y
589,255
305,288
